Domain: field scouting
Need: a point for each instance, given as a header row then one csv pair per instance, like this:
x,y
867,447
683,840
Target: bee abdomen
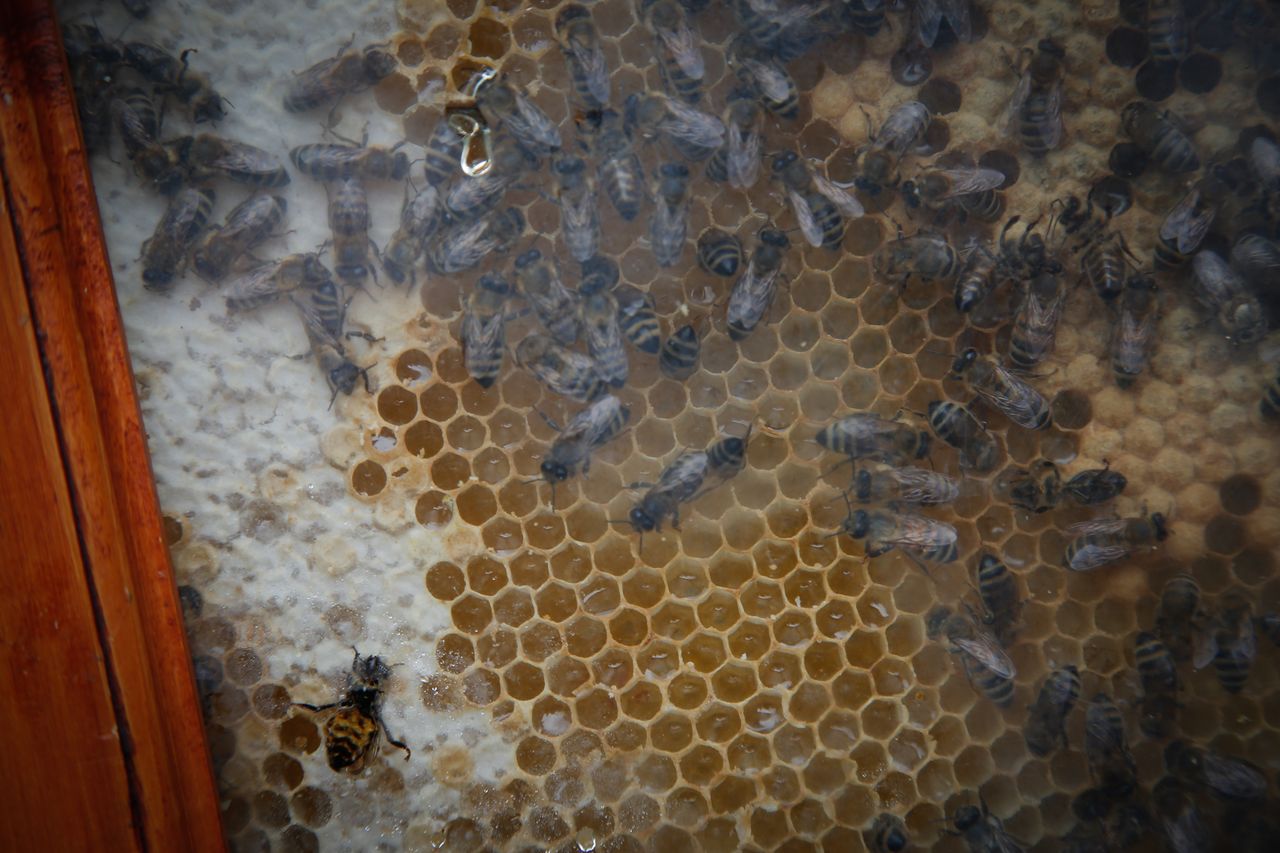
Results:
x,y
719,252
679,356
1232,669
349,736
995,687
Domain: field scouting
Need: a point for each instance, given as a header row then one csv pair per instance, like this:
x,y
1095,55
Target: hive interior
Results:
x,y
748,681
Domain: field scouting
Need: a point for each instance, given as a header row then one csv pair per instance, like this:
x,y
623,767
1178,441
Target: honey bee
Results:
x,y
1046,718
692,132
251,222
775,88
563,371
738,160
957,426
474,195
638,319
580,44
324,318
466,244
998,590
983,831
1183,823
1035,111
326,161
1229,778
1021,403
211,156
590,429
1270,405
554,303
1230,642
1104,541
443,154
866,435
942,621
680,62
138,120
1037,489
503,105
678,358
173,75
1135,328
928,257
1106,747
164,254
819,204
1183,230
1159,675
670,222
972,191
976,280
1159,136
719,252
916,535
579,208
1178,616
753,292
1095,485
349,222
266,282
483,329
900,131
888,834
353,732
599,311
1223,292
618,166
349,72
420,217
1035,326
681,481
889,484
1167,32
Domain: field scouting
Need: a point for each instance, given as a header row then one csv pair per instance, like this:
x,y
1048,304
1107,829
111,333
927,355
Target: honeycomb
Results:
x,y
748,681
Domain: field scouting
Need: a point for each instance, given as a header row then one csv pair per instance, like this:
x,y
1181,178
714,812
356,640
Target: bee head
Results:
x,y
859,523
967,816
494,283
987,561
1158,521
771,236
641,520
935,620
896,840
963,361
554,472
526,258
157,279
569,164
370,670
783,160
343,377
399,166
378,63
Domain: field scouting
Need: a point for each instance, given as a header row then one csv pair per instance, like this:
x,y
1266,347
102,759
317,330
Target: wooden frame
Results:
x,y
104,743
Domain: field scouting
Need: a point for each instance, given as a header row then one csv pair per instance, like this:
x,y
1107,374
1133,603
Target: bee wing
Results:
x,y
771,81
480,332
804,216
743,162
684,476
966,181
1053,116
918,485
255,287
903,126
683,45
1019,98
846,201
589,57
1091,555
751,295
1097,526
1204,647
1185,227
537,124
1246,638
984,650
317,329
915,531
693,125
928,20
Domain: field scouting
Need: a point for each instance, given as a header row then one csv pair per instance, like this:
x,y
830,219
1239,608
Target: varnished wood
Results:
x,y
103,450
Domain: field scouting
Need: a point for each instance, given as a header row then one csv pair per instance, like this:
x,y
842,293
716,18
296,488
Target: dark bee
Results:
x,y
420,217
1228,778
1181,819
888,834
917,535
1230,642
1184,229
1095,486
998,589
928,257
958,427
772,84
564,372
638,319
465,244
1104,541
210,156
470,196
976,280
591,428
1135,328
603,333
326,82
1035,327
483,329
869,436
164,254
352,733
971,191
324,315
251,222
976,649
138,120
265,283
1167,33
678,358
719,252
1107,747
680,481
1161,139
670,221
1224,293
580,44
892,485
554,303
753,292
903,128
1045,730
982,831
1035,112
738,160
1021,403
618,166
579,208
443,153
505,106
1156,668
173,75
349,222
1270,405
333,162
1178,616
1035,490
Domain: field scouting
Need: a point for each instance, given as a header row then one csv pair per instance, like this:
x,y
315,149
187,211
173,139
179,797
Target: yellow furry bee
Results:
x,y
352,732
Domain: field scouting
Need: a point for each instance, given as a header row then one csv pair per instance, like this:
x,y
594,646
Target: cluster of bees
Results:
x,y
1220,234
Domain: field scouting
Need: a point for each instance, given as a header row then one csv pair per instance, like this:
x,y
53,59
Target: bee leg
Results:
x,y
391,740
311,707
